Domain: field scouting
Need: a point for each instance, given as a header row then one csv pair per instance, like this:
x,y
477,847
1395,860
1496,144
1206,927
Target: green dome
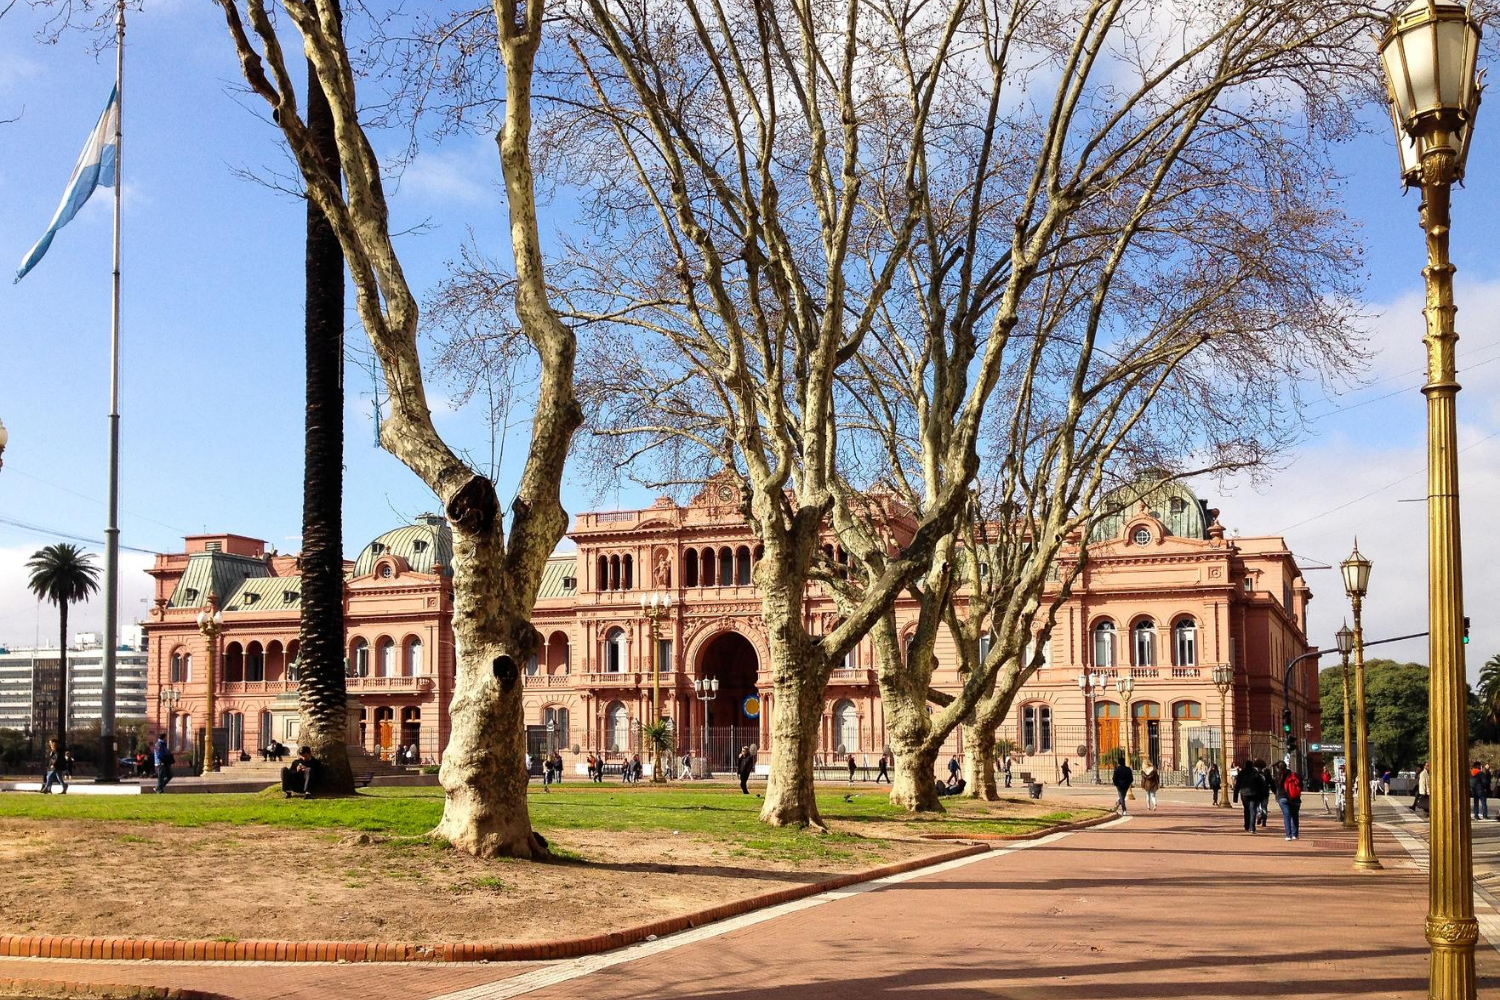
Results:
x,y
423,545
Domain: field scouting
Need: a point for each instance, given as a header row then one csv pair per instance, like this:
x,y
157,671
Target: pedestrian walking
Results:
x,y
1487,778
1263,807
745,766
1122,779
1067,773
162,757
687,766
1323,782
1249,786
952,768
67,763
1005,769
851,769
1424,788
1200,774
1215,782
1288,790
1477,792
1150,782
884,768
56,769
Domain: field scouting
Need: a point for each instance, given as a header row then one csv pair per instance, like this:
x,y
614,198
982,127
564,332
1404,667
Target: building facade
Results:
x,y
28,684
1165,597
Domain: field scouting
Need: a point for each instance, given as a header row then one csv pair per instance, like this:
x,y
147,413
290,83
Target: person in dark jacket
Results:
x,y
162,757
885,772
1215,782
1067,774
1122,779
1249,788
56,766
297,777
1479,792
744,766
1268,784
852,766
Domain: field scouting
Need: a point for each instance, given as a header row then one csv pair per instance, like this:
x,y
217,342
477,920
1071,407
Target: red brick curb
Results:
x,y
128,949
1082,824
49,989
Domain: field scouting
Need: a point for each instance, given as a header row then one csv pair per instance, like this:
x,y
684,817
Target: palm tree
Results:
x,y
63,574
1489,690
321,691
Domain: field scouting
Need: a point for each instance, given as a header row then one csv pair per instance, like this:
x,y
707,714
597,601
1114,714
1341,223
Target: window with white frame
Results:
x,y
1185,643
1143,643
1104,644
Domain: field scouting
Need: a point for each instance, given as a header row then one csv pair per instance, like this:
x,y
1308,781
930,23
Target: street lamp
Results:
x,y
656,606
1223,680
211,624
1429,52
1089,683
1356,570
1345,639
705,689
1125,685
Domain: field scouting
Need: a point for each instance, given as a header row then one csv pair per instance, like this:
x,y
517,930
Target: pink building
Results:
x,y
1165,598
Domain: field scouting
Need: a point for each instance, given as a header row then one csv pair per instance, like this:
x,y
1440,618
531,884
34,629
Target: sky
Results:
x,y
212,327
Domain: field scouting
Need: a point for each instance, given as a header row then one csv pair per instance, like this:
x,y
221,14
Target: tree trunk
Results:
x,y
914,783
322,693
484,764
62,676
791,799
979,764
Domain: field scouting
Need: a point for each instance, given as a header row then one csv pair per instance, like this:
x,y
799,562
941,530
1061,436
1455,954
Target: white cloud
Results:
x,y
449,174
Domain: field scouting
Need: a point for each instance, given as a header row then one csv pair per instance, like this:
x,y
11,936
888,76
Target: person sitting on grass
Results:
x,y
954,787
298,776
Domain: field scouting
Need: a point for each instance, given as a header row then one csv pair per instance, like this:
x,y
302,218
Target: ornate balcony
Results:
x,y
553,680
858,678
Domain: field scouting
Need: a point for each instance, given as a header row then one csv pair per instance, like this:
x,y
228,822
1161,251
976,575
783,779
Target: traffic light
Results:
x,y
1466,630
1286,722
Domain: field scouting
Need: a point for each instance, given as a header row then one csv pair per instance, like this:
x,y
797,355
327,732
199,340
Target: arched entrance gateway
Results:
x,y
734,716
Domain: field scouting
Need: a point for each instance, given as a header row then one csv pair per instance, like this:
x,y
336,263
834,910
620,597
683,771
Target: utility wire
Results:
x,y
55,533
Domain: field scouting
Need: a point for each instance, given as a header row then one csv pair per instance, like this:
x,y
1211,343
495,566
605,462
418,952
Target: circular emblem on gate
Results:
x,y
751,706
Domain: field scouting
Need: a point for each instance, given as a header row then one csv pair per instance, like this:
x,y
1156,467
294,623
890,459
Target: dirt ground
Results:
x,y
248,882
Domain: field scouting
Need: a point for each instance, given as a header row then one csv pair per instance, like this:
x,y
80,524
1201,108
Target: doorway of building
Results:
x,y
385,732
731,658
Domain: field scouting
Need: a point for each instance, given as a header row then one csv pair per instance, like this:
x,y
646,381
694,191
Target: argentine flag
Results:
x,y
96,165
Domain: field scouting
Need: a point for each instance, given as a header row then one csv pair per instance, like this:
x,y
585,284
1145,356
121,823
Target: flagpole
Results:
x,y
108,759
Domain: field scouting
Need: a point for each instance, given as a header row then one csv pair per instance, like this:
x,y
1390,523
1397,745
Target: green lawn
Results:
x,y
718,813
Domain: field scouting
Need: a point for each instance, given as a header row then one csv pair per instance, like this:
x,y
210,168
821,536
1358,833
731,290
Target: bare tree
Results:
x,y
829,234
496,575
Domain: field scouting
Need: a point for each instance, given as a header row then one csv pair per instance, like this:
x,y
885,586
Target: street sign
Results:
x,y
1326,748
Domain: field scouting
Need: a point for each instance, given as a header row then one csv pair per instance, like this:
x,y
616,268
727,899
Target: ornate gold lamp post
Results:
x,y
1125,685
656,607
1223,680
1356,570
210,623
1345,638
1429,52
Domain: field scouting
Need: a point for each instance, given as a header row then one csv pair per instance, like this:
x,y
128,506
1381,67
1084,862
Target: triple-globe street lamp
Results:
x,y
210,624
655,607
705,689
1430,53
1088,683
1356,570
1125,685
1223,680
1345,639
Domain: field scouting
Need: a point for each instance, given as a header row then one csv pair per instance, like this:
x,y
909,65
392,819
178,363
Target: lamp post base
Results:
x,y
1367,865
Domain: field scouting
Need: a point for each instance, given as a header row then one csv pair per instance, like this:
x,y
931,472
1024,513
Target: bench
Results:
x,y
363,778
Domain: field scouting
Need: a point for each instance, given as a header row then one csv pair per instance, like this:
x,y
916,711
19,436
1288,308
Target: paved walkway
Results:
x,y
1178,903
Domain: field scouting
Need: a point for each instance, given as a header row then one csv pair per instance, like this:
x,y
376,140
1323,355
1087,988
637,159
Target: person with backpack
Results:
x,y
1215,782
1122,779
162,757
1289,798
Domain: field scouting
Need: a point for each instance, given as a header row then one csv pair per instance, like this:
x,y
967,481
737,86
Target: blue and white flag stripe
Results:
x,y
96,166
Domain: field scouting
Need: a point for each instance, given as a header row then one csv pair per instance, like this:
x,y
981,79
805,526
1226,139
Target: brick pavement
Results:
x,y
1176,904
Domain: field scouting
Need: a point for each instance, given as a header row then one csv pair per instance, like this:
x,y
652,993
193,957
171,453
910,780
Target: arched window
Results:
x,y
1185,643
602,576
1143,643
411,733
235,723
293,668
707,567
179,667
742,566
614,650
1036,728
616,727
532,663
557,653
760,553
627,573
986,643
726,567
690,568
263,729
275,661
1107,726
255,663
614,572
557,718
387,658
414,657
234,663
1187,711
845,727
1104,644
359,659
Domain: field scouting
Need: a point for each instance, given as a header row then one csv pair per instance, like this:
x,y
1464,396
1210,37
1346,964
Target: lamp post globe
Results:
x,y
1356,572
